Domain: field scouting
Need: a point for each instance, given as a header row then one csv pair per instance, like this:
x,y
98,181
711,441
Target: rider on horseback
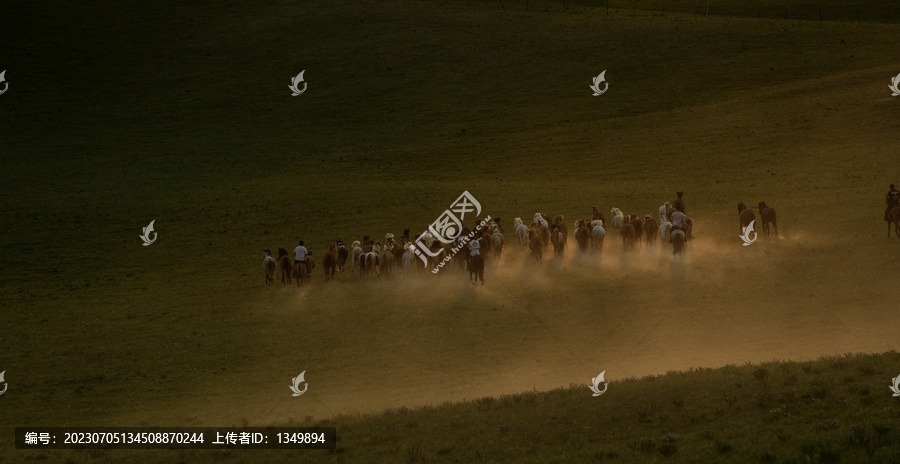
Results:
x,y
474,247
300,254
892,198
678,218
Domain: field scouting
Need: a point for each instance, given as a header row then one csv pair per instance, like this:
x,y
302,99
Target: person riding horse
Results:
x,y
679,201
474,248
300,255
892,198
679,222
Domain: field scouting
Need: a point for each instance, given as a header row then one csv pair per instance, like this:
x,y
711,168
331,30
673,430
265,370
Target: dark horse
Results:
x,y
894,216
678,240
768,215
342,255
536,245
558,237
638,226
476,269
627,233
745,216
583,236
286,268
303,268
598,215
329,262
651,228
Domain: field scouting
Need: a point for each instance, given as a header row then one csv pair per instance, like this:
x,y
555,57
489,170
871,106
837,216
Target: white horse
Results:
x,y
269,267
663,212
618,220
598,233
665,230
428,237
369,264
544,228
521,232
409,258
355,251
496,243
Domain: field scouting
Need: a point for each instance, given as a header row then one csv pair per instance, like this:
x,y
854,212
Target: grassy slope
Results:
x,y
184,119
836,409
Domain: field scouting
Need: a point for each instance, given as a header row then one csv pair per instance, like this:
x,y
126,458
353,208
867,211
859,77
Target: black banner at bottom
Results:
x,y
176,437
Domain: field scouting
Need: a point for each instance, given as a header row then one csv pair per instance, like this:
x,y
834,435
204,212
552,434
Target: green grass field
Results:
x,y
180,113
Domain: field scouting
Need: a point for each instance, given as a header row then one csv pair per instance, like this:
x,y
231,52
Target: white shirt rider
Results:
x,y
474,247
300,253
678,220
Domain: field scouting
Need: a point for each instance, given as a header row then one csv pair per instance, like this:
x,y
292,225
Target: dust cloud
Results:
x,y
423,339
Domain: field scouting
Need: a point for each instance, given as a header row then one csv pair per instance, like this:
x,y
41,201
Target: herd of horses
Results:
x,y
767,215
374,258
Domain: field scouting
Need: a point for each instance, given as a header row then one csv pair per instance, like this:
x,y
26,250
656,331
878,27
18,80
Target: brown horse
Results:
x,y
342,256
768,216
638,228
583,235
558,238
561,223
387,259
536,245
303,268
399,249
301,272
329,262
475,266
894,216
286,267
651,228
627,234
745,216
